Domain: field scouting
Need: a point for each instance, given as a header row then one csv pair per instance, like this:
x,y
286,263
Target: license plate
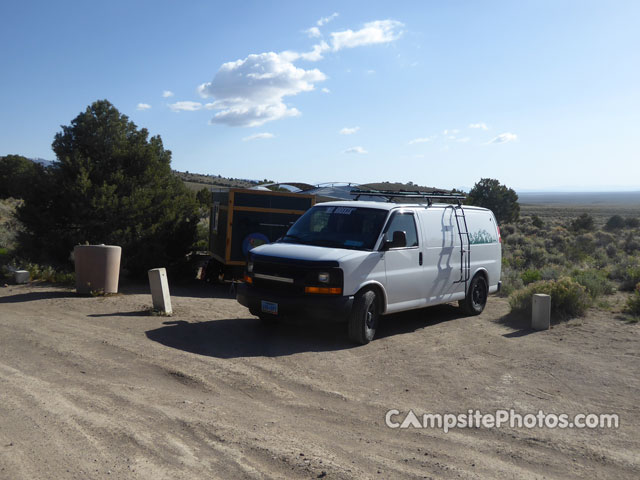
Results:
x,y
269,307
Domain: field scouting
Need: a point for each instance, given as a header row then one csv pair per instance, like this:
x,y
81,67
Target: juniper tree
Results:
x,y
111,184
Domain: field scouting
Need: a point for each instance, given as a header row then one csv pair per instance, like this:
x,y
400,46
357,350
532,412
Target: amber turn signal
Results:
x,y
324,290
248,279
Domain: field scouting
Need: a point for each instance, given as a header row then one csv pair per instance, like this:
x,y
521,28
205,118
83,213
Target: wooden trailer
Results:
x,y
242,219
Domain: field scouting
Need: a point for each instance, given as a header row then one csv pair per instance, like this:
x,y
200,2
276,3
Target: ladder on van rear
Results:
x,y
465,244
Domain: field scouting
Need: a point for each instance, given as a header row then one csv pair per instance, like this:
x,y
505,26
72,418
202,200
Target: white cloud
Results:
x,y
316,53
463,140
420,140
185,106
326,90
313,32
370,72
167,94
504,138
380,31
143,106
357,150
325,20
258,136
482,126
250,92
451,132
349,130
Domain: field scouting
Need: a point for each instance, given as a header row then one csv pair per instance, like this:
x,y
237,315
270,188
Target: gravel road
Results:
x,y
99,388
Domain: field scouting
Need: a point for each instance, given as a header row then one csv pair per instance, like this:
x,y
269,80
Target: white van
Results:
x,y
356,260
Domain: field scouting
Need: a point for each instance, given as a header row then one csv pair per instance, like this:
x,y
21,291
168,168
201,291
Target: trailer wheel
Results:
x,y
476,298
364,316
214,271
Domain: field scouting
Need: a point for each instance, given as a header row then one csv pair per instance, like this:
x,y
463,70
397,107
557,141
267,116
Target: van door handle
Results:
x,y
420,258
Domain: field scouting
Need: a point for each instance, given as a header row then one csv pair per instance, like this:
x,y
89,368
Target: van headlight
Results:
x,y
324,277
250,266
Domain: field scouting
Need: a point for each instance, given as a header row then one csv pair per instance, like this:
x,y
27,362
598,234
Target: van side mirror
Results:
x,y
399,241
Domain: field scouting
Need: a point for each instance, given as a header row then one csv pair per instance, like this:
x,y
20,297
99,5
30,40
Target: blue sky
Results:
x,y
538,94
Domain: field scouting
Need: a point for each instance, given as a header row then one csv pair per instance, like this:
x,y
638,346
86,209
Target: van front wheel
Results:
x,y
363,319
476,297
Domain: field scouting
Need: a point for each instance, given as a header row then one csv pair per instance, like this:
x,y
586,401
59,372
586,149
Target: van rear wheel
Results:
x,y
476,298
364,316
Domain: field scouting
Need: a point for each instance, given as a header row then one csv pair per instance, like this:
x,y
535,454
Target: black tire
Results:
x,y
476,298
214,271
364,316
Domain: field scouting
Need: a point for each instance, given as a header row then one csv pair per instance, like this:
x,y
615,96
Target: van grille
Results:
x,y
295,276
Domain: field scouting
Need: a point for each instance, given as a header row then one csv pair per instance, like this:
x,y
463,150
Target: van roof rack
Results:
x,y
391,194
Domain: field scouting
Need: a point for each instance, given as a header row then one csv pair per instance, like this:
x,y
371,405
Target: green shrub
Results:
x,y
515,239
604,239
511,281
506,230
595,281
633,304
537,221
612,251
632,222
631,244
534,256
530,276
568,298
628,273
560,237
202,239
551,272
49,274
585,243
584,222
616,222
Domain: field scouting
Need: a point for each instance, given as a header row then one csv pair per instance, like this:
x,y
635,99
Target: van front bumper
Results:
x,y
331,308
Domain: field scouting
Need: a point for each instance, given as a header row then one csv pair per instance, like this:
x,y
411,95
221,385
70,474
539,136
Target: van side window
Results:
x,y
406,223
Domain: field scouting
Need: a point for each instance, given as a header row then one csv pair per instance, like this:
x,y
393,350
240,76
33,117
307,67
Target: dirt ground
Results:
x,y
98,388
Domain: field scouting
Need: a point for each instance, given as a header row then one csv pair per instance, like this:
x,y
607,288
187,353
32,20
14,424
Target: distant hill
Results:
x,y
197,181
42,161
580,198
397,186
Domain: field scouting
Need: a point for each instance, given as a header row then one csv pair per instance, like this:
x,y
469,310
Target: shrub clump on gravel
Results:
x,y
568,298
633,304
595,281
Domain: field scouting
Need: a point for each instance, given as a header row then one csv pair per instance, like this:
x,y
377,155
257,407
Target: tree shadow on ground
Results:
x,y
39,295
250,337
138,313
195,289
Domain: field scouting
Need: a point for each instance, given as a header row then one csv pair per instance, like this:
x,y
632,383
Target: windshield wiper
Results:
x,y
294,237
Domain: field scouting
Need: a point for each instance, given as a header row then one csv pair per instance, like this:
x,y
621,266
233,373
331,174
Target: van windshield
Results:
x,y
340,227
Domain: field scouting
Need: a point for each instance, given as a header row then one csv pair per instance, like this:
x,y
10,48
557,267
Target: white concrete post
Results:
x,y
160,290
541,312
21,276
